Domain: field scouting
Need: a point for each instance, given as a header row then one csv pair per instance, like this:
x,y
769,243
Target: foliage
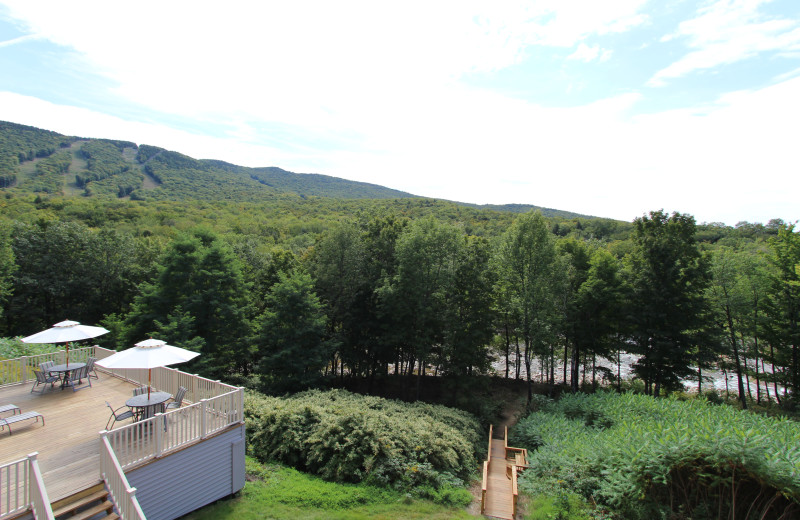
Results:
x,y
279,493
199,292
669,313
661,457
291,347
14,347
346,437
530,271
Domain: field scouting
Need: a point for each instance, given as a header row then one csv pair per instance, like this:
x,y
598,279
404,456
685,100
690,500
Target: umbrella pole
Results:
x,y
148,383
67,354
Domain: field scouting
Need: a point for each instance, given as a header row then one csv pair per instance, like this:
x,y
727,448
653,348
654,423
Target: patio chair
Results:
x,y
141,390
115,416
77,377
90,368
45,365
176,403
42,378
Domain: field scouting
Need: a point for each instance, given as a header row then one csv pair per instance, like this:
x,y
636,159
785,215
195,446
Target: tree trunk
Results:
x,y
508,347
699,379
735,345
575,368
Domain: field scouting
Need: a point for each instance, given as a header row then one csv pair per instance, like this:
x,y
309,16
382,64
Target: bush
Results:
x,y
662,457
347,437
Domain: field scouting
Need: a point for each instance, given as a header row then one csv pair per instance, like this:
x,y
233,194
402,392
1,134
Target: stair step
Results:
x,y
83,515
81,502
80,494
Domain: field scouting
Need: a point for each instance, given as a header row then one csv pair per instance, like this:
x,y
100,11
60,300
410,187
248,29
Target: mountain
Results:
x,y
45,162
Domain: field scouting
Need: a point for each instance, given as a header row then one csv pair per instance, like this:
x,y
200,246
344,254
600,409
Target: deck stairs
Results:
x,y
92,503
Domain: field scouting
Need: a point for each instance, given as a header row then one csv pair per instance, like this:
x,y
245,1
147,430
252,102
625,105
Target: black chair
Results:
x,y
117,416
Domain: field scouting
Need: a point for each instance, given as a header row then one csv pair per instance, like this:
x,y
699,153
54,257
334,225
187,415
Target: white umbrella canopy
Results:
x,y
65,332
149,354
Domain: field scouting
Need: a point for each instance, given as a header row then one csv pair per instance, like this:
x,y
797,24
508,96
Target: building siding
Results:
x,y
177,484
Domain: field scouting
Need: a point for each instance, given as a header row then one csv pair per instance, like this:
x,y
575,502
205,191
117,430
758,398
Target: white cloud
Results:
x,y
728,31
385,82
589,53
18,40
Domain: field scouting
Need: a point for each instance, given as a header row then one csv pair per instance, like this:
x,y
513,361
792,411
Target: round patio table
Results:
x,y
65,369
148,407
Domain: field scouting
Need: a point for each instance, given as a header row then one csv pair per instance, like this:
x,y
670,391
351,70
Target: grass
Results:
x,y
277,492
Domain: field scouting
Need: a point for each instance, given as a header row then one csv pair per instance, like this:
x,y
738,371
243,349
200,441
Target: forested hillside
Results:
x,y
104,168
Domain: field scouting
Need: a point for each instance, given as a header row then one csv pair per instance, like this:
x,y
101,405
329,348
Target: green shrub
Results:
x,y
663,457
347,437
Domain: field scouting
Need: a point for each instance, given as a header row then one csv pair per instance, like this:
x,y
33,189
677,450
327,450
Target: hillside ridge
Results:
x,y
46,162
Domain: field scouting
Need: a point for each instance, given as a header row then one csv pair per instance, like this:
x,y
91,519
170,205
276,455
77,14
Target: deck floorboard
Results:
x,y
68,444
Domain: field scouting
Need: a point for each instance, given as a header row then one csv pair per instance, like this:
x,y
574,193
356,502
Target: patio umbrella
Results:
x,y
65,332
149,354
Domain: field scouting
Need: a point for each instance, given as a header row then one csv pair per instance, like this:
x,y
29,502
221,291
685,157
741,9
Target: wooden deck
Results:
x,y
68,443
499,500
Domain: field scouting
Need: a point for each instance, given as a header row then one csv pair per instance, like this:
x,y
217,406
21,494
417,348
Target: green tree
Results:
x,y
783,304
290,346
668,311
729,299
339,267
530,273
471,304
8,268
415,298
199,276
598,304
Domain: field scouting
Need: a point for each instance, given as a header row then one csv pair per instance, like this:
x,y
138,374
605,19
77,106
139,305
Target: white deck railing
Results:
x,y
122,494
167,379
165,432
216,406
21,489
20,370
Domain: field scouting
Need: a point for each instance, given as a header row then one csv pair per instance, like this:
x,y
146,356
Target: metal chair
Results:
x,y
90,368
117,416
42,378
176,403
141,390
76,378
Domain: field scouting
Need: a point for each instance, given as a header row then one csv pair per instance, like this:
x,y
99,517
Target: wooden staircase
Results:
x,y
91,503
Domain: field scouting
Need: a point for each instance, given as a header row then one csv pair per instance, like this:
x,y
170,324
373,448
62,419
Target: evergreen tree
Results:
x,y
200,292
291,347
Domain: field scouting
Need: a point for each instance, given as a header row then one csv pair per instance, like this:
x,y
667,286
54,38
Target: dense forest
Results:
x,y
287,282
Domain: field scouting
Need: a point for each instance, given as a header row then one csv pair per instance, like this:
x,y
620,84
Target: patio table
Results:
x,y
148,407
65,369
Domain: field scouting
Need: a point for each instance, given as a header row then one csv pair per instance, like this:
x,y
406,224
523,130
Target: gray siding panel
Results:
x,y
191,478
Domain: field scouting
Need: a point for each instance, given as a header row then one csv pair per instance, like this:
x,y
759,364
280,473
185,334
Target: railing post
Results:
x,y
24,360
103,440
130,499
40,502
157,424
203,419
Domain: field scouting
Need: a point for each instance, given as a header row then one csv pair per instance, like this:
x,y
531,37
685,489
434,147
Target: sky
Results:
x,y
612,108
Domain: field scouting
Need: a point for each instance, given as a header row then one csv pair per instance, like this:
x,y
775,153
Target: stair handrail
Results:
x,y
485,482
22,489
120,491
40,502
